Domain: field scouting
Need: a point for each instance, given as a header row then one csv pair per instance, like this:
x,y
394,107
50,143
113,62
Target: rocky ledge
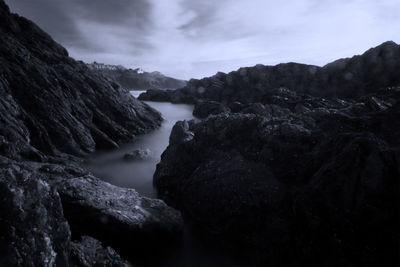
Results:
x,y
53,111
51,213
306,181
140,228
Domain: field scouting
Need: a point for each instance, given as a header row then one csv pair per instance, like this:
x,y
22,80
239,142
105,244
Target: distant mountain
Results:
x,y
377,68
136,79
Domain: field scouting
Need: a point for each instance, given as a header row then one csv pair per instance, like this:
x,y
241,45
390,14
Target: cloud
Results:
x,y
90,24
50,15
191,38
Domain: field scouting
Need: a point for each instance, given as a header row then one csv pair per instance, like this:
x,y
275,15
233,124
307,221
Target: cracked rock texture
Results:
x,y
299,181
54,111
52,104
117,216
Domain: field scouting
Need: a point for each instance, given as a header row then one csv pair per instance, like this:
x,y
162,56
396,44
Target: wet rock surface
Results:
x,y
303,181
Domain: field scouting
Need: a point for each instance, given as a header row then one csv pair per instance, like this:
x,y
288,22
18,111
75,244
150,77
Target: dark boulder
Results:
x,y
203,109
156,95
33,230
138,154
318,185
139,228
255,108
89,252
235,106
180,133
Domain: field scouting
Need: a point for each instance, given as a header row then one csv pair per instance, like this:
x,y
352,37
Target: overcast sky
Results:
x,y
197,38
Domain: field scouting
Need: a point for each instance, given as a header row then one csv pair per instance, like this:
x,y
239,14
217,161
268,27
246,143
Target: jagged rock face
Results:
x,y
51,103
52,109
89,252
156,95
36,224
140,228
313,182
34,231
136,79
345,78
203,109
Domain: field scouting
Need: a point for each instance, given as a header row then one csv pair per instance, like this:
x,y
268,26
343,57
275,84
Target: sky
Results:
x,y
197,38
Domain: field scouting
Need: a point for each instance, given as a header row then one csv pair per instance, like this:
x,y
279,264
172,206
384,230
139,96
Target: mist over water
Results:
x,y
138,174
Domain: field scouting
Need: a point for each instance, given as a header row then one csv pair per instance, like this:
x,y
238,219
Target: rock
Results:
x,y
377,104
89,252
139,228
255,108
33,231
38,78
53,111
235,106
293,188
203,109
285,84
156,95
180,133
138,154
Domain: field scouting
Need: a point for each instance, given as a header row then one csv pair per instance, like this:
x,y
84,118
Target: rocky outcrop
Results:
x,y
173,96
377,68
53,110
89,252
37,224
307,181
138,154
137,79
33,231
140,228
52,104
203,109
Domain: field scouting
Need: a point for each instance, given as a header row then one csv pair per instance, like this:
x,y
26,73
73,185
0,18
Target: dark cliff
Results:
x,y
51,103
53,109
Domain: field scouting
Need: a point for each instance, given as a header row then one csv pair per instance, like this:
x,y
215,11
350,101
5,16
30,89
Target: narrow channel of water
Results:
x,y
138,174
111,167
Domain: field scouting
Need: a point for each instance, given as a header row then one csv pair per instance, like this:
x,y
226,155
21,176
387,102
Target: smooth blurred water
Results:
x,y
111,167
